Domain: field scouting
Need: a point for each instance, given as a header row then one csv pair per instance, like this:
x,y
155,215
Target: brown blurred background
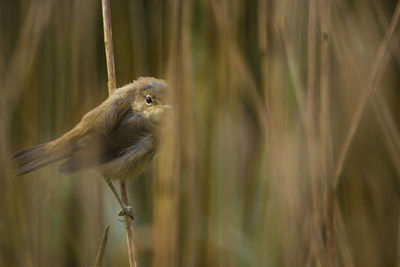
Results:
x,y
285,150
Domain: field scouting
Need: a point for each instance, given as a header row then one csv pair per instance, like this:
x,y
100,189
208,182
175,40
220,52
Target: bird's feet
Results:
x,y
127,210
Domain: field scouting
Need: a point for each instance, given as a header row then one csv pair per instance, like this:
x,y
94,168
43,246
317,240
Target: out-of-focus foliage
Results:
x,y
265,94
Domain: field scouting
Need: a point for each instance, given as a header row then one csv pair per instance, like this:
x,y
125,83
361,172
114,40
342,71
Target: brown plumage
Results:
x,y
118,138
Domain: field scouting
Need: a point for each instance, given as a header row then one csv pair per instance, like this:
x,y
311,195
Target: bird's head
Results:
x,y
150,99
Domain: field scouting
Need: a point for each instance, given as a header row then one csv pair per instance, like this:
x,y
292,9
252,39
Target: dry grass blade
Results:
x,y
297,82
378,65
102,248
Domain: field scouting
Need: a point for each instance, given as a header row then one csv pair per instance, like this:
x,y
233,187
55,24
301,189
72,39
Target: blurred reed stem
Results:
x,y
378,66
326,153
311,135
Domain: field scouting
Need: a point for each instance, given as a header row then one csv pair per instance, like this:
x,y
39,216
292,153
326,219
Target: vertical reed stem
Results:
x,y
311,135
326,135
111,87
112,81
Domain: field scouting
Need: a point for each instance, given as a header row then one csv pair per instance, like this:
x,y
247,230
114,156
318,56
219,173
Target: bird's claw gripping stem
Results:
x,y
127,210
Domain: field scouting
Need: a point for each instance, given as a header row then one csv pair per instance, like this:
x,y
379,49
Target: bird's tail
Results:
x,y
35,157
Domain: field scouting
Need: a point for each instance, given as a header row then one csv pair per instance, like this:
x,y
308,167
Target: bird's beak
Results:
x,y
166,106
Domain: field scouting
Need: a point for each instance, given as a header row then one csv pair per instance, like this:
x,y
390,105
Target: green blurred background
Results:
x,y
265,94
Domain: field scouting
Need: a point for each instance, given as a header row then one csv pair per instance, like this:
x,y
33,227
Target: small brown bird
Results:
x,y
119,138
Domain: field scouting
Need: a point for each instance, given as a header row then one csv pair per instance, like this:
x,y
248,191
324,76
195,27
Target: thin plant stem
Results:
x,y
108,43
111,87
129,228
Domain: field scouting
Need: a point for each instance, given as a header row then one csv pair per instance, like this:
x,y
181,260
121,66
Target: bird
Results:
x,y
119,138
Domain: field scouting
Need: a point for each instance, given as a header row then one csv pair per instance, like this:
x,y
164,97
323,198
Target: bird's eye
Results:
x,y
149,100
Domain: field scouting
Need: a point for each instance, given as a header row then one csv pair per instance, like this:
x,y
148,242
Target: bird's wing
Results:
x,y
98,147
133,161
105,117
